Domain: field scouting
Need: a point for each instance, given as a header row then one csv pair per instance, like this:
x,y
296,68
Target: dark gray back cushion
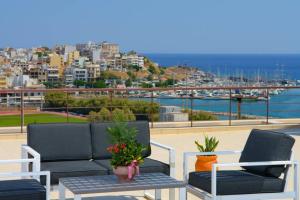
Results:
x,y
61,141
265,145
101,138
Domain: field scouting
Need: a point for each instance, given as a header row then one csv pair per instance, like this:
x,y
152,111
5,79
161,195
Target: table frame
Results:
x,y
157,196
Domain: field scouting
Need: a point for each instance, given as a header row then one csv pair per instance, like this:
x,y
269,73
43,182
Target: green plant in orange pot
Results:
x,y
204,163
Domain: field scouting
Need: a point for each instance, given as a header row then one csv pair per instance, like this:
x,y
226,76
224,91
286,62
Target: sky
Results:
x,y
155,26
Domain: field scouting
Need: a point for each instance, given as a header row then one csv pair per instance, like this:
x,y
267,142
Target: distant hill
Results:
x,y
152,71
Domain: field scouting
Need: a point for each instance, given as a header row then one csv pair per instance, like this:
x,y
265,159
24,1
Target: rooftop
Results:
x,y
190,117
230,139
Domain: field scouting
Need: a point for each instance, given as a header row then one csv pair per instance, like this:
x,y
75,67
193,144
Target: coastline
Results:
x,y
230,64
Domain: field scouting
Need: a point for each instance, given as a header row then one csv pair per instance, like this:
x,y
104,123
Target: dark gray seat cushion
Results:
x,y
101,138
236,182
149,166
25,189
265,145
71,169
61,141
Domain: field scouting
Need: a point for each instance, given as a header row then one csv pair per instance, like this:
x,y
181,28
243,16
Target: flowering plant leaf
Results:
x,y
125,148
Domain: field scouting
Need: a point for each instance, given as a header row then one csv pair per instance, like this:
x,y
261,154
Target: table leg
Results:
x,y
172,193
182,193
77,197
61,191
157,194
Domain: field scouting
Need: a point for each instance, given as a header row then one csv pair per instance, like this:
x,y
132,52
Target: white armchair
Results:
x,y
213,194
266,161
25,174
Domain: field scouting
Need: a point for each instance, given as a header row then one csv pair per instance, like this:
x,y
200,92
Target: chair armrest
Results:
x,y
33,174
36,164
242,164
28,150
23,162
186,155
171,156
160,145
29,160
211,153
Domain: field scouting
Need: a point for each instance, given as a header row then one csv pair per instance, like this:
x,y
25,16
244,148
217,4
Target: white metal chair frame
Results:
x,y
24,174
213,195
171,163
36,160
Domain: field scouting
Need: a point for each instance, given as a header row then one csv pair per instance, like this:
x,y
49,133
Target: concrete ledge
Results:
x,y
13,136
187,130
184,130
224,123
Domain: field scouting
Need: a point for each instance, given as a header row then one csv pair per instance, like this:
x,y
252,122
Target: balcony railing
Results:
x,y
193,106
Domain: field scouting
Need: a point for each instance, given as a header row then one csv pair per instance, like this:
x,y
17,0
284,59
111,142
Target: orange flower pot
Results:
x,y
204,163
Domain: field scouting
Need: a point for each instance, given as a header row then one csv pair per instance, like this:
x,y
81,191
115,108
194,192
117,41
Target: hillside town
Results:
x,y
63,65
103,65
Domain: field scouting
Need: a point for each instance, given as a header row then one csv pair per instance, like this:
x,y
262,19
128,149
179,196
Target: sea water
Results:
x,y
271,66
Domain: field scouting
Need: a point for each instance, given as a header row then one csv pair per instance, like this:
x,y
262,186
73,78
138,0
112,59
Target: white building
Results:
x,y
52,75
69,79
96,55
81,62
80,74
35,57
103,66
141,61
134,59
21,81
13,54
93,72
69,49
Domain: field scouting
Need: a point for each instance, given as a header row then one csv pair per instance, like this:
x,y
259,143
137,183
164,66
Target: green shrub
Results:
x,y
200,115
123,115
93,117
56,99
102,116
86,105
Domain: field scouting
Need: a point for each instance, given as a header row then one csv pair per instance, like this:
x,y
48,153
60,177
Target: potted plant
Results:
x,y
204,163
126,151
